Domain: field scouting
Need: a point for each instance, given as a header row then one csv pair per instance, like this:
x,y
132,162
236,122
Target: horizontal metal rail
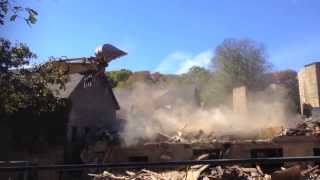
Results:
x,y
213,162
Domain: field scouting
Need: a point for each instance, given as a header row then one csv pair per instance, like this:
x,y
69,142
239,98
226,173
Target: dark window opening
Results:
x,y
307,110
74,133
86,131
138,159
270,152
265,153
213,153
316,152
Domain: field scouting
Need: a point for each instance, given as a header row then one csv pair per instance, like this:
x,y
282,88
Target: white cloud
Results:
x,y
180,62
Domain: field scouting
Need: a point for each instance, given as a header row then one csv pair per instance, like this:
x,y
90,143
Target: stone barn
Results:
x,y
93,106
93,103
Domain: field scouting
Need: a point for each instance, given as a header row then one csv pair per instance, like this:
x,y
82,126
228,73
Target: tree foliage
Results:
x,y
197,75
12,12
211,91
125,79
29,111
241,62
23,86
25,97
117,77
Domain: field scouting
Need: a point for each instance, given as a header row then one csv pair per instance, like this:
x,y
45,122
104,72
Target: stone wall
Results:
x,y
240,104
93,108
285,146
309,87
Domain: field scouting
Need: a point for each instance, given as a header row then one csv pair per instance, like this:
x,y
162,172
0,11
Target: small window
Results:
x,y
74,133
316,151
265,153
86,131
268,152
138,159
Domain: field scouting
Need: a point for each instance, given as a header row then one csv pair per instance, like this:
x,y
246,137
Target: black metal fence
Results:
x,y
23,170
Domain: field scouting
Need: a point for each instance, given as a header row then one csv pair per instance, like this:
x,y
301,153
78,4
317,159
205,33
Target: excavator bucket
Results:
x,y
108,52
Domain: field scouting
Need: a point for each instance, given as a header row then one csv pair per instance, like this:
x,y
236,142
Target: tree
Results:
x,y
14,11
196,75
28,110
240,62
117,77
199,77
22,87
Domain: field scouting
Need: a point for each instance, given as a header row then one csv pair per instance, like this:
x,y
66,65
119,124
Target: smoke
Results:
x,y
152,109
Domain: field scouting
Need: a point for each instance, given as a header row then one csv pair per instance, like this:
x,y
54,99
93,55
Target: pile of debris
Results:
x,y
306,128
203,172
297,172
190,137
139,175
312,172
234,172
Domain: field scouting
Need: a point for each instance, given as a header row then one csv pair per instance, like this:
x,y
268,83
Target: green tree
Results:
x,y
12,12
117,77
22,86
241,62
28,110
197,75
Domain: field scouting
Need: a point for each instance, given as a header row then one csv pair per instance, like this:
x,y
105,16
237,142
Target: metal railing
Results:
x,y
100,167
213,162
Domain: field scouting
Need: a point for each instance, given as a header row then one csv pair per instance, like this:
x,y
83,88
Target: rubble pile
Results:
x,y
183,137
139,175
234,172
297,172
203,172
306,128
312,172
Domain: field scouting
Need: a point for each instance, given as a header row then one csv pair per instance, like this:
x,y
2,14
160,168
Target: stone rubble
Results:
x,y
205,172
308,127
202,172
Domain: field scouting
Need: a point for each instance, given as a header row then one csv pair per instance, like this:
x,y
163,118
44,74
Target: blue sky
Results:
x,y
171,35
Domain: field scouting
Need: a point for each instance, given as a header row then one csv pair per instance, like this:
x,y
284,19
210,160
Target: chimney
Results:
x,y
309,89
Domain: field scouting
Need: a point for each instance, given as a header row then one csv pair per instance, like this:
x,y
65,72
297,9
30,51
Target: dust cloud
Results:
x,y
150,110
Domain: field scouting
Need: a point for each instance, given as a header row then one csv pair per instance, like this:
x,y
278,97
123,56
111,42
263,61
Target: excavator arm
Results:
x,y
103,55
77,67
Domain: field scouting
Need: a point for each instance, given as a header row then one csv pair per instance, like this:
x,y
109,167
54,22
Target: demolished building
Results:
x,y
187,147
92,113
93,103
309,89
302,140
283,146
